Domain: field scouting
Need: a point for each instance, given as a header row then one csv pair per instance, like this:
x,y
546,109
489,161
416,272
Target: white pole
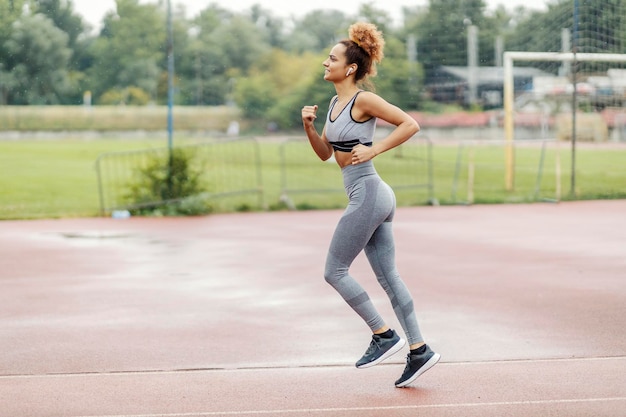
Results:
x,y
470,176
508,119
499,48
472,63
566,46
557,170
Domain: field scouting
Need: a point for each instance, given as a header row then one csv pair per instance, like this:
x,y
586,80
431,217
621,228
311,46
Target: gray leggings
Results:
x,y
366,225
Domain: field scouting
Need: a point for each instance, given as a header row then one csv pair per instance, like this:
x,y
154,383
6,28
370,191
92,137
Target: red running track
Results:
x,y
228,315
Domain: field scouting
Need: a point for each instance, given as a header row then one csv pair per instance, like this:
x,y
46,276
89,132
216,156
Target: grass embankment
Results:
x,y
113,118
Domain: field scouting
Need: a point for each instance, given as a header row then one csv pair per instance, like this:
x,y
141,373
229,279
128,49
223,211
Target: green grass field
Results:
x,y
50,178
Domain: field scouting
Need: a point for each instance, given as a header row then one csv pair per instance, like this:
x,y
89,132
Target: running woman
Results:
x,y
366,224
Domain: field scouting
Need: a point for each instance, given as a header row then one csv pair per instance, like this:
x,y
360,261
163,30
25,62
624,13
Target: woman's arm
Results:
x,y
320,144
371,105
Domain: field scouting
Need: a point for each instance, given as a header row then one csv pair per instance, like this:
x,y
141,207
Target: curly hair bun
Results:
x,y
368,37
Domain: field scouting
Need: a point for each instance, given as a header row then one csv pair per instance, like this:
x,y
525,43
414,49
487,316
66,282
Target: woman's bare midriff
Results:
x,y
343,158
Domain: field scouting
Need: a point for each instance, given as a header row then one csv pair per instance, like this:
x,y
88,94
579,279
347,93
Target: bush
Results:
x,y
169,185
133,96
255,95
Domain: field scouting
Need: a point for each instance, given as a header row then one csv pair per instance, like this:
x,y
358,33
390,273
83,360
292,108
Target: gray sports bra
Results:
x,y
344,133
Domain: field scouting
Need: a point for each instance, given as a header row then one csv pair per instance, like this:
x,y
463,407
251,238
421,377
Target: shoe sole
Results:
x,y
429,364
392,350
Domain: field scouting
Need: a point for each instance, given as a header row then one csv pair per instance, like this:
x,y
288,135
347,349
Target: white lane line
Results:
x,y
363,409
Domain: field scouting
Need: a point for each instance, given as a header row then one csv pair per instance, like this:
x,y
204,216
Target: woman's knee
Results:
x,y
334,274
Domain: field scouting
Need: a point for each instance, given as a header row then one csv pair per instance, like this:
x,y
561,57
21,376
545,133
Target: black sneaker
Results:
x,y
380,349
417,365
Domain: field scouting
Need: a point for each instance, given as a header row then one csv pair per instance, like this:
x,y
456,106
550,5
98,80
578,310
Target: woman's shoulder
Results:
x,y
367,95
368,99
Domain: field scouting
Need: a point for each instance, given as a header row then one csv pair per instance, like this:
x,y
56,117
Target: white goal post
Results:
x,y
508,60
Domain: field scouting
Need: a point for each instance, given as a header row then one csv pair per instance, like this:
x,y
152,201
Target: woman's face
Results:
x,y
336,65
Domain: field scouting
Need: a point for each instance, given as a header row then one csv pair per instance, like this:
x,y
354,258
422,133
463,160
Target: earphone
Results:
x,y
349,71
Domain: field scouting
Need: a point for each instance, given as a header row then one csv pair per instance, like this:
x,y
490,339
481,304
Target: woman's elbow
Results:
x,y
325,154
415,127
411,126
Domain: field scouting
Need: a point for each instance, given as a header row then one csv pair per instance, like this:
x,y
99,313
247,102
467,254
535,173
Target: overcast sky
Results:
x,y
93,11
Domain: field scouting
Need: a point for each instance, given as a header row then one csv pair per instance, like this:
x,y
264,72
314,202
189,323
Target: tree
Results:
x,y
10,11
129,49
380,17
241,42
40,57
541,31
181,29
311,88
204,66
272,82
271,26
269,65
62,15
442,31
607,20
318,30
225,46
496,25
255,95
399,81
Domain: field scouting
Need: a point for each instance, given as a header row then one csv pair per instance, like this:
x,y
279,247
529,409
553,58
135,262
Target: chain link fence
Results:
x,y
228,175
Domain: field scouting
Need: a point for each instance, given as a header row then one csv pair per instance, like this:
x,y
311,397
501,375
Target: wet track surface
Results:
x,y
230,315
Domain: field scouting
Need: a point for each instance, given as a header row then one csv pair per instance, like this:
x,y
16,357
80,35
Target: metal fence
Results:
x,y
306,182
229,172
479,172
244,174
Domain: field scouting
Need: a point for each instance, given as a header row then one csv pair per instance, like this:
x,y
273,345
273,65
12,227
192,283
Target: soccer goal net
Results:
x,y
572,90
